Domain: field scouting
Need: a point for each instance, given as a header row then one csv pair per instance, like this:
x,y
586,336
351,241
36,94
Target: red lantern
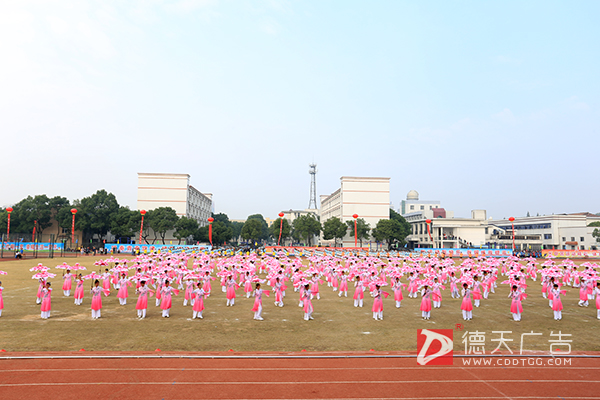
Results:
x,y
512,221
73,211
8,210
355,216
143,212
210,221
428,222
280,226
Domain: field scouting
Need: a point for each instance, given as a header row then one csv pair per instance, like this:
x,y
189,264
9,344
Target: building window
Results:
x,y
412,207
431,207
548,236
582,239
572,238
422,207
582,247
564,240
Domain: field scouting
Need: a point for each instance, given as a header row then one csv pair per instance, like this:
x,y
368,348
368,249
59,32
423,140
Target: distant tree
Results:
x,y
595,223
126,223
95,214
335,229
184,228
29,210
222,229
528,214
286,229
163,219
393,231
237,230
596,234
305,227
362,229
264,228
201,234
252,230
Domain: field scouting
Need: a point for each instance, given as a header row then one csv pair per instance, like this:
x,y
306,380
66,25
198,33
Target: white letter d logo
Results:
x,y
446,346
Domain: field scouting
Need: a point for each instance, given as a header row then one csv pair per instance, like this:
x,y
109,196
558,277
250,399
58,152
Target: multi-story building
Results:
x,y
173,190
556,231
369,198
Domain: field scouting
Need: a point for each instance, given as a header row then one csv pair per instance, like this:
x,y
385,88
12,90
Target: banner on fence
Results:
x,y
571,253
151,248
465,252
30,246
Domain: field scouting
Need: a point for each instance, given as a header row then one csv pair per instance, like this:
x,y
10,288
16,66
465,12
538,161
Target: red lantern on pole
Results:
x,y
210,221
73,211
143,212
428,222
280,227
512,221
355,216
8,210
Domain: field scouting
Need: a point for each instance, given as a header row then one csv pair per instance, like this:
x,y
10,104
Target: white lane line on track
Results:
x,y
297,383
289,369
488,385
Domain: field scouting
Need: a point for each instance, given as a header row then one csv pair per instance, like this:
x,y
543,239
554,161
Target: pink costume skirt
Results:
x,y
466,304
123,293
557,304
230,292
344,286
198,304
67,284
46,304
79,292
476,295
426,304
165,302
516,307
398,295
308,307
257,304
358,294
142,302
377,305
96,302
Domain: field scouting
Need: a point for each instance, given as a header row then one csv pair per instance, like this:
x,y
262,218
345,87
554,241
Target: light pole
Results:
x,y
143,212
73,211
210,221
8,210
355,216
512,221
280,227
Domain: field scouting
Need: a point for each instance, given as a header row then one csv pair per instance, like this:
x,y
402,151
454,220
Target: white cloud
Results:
x,y
506,116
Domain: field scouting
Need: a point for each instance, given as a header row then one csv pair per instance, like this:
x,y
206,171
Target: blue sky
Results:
x,y
482,105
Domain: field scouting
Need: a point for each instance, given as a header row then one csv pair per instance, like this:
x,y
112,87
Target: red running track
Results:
x,y
293,377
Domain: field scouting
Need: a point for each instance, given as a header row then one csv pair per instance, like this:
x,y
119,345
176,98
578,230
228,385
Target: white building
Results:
x,y
367,197
557,231
412,204
173,190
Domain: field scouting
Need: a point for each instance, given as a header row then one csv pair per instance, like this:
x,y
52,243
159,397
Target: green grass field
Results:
x,y
338,325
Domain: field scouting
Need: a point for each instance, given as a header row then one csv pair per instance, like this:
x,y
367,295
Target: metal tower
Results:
x,y
312,204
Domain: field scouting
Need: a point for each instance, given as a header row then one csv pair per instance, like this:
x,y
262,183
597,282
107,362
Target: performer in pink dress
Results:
x,y
41,287
207,286
123,292
343,288
1,299
230,284
279,288
78,290
437,293
106,280
359,292
476,291
189,289
557,302
97,299
67,283
257,308
247,284
165,294
583,297
515,305
197,301
308,307
397,288
377,304
425,308
142,302
597,293
466,306
46,301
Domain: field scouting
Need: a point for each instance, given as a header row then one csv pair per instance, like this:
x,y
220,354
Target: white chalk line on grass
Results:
x,y
254,383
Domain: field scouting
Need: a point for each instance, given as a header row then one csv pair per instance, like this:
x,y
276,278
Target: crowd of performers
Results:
x,y
163,276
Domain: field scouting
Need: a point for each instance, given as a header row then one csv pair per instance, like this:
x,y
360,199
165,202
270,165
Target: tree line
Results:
x,y
100,213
